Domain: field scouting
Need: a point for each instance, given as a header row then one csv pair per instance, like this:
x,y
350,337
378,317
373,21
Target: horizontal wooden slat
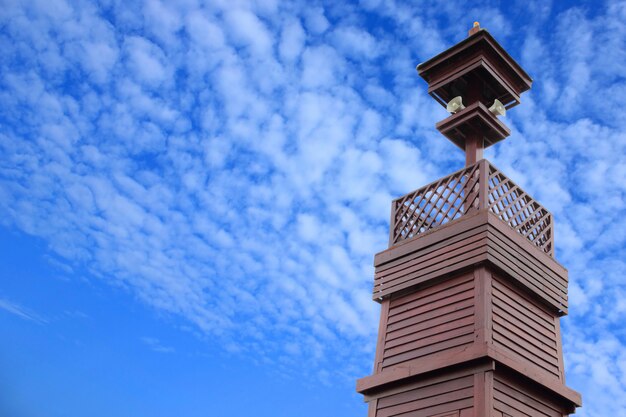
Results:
x,y
507,339
431,290
445,237
428,257
521,242
430,332
423,381
452,299
435,239
436,274
454,247
522,324
557,275
514,402
430,349
522,305
531,279
452,400
446,291
518,410
538,278
426,391
430,314
547,345
555,303
427,324
428,340
445,259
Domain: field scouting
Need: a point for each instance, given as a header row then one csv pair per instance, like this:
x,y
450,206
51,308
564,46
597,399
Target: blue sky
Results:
x,y
191,193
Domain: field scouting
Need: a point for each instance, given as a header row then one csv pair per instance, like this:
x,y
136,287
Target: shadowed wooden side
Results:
x,y
442,395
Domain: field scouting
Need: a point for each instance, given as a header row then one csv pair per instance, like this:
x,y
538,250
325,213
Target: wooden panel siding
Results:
x,y
463,243
537,272
451,394
515,399
431,320
524,328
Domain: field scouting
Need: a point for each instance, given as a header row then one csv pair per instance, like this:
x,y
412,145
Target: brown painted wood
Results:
x,y
426,391
427,291
428,239
531,277
432,330
547,347
418,369
482,302
480,406
559,348
450,296
488,392
418,319
470,291
445,394
484,46
522,261
372,406
439,320
431,294
446,401
519,399
556,283
461,129
382,332
428,378
428,257
540,377
462,338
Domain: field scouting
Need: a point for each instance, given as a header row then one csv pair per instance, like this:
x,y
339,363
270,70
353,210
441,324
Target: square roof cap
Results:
x,y
477,57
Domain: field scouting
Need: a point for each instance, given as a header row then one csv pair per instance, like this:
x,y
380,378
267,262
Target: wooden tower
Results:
x,y
471,294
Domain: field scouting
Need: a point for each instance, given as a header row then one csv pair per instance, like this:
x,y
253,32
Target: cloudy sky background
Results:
x,y
191,193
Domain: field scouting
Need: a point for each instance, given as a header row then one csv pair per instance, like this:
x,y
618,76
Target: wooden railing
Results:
x,y
480,186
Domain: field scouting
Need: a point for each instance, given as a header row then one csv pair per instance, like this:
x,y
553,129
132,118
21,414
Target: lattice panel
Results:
x,y
520,211
458,194
435,204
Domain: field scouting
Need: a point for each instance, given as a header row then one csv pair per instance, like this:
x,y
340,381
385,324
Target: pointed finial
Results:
x,y
474,29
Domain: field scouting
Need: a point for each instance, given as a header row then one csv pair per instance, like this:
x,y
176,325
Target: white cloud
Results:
x,y
188,147
21,312
315,20
146,60
355,42
321,67
292,41
246,29
155,345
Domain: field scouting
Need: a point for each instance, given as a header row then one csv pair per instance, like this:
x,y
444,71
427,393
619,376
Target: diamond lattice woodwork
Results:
x,y
457,194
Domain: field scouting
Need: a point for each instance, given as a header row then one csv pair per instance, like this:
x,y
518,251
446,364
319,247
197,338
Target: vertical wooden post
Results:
x,y
392,222
483,185
474,143
482,301
382,335
474,147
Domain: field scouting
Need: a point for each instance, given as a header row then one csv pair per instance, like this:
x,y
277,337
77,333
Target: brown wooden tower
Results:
x,y
471,294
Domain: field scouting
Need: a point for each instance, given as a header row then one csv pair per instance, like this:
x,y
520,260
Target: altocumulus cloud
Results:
x,y
174,148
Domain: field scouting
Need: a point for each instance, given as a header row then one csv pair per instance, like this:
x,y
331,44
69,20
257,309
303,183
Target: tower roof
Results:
x,y
479,56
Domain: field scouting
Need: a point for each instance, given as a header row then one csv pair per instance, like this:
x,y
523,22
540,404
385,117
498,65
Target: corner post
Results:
x,y
483,185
